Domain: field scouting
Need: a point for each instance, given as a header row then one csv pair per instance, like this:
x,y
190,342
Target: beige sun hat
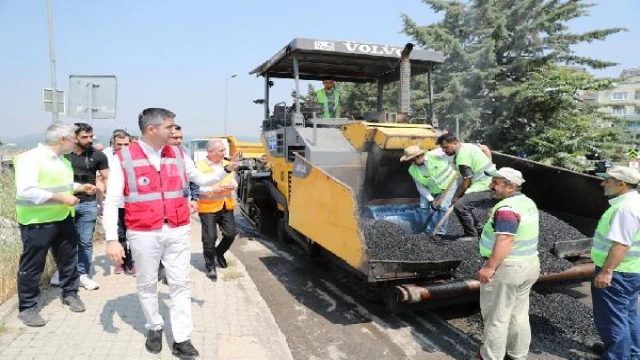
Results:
x,y
410,152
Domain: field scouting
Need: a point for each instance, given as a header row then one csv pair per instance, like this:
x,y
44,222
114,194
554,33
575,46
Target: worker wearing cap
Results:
x,y
616,254
471,161
329,97
432,174
509,245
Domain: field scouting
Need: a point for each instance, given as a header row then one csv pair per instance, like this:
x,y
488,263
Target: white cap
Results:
x,y
508,173
622,173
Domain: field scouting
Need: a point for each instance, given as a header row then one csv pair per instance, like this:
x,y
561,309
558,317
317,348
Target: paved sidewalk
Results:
x,y
231,320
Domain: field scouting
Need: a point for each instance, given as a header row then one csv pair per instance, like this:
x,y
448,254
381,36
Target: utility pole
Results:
x,y
52,60
226,87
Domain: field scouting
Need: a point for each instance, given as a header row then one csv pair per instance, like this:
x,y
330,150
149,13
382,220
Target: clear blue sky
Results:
x,y
177,54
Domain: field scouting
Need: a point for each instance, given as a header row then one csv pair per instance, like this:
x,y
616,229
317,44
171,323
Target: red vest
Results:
x,y
153,197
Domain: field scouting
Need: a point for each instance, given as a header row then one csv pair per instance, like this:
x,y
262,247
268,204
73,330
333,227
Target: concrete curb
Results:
x,y
8,309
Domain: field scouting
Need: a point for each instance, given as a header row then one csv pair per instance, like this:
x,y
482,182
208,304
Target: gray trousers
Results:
x,y
465,209
504,304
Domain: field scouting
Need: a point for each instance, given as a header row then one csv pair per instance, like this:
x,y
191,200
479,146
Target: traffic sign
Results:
x,y
92,96
47,98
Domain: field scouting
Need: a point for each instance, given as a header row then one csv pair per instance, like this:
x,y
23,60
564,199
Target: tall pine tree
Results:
x,y
502,76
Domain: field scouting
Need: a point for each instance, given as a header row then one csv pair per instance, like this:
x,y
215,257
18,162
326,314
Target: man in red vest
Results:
x,y
152,177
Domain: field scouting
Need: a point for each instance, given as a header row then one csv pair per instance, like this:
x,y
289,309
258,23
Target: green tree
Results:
x,y
359,98
502,78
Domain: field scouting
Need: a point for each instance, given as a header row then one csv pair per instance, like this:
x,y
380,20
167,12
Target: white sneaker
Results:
x,y
55,278
88,283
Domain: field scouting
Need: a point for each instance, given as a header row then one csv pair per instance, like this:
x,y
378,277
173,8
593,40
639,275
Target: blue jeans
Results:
x,y
439,214
615,313
86,216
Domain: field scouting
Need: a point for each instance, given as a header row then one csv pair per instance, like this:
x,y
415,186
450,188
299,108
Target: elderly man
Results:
x,y
151,177
432,174
616,254
329,97
45,204
215,207
509,245
471,162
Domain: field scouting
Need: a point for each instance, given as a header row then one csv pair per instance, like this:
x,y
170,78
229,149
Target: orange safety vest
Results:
x,y
214,202
151,197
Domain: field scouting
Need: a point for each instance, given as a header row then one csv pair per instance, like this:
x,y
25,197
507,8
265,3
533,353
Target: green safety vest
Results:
x,y
321,97
525,245
601,244
439,173
471,155
51,179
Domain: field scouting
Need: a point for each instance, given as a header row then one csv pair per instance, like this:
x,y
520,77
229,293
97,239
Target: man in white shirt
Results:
x,y
44,209
616,254
216,208
152,176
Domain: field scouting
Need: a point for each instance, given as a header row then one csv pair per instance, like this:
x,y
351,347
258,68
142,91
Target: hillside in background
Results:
x,y
102,134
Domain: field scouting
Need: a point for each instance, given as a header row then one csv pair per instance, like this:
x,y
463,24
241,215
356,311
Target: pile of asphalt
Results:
x,y
561,325
387,241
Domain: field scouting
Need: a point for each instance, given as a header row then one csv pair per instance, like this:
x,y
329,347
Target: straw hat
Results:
x,y
411,152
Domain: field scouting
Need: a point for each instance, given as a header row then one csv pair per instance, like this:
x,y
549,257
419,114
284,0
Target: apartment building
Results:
x,y
622,100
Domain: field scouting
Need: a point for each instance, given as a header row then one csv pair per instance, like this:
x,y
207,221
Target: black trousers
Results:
x,y
122,239
62,237
224,219
467,208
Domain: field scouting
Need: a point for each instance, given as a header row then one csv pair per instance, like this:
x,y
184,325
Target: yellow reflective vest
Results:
x,y
210,202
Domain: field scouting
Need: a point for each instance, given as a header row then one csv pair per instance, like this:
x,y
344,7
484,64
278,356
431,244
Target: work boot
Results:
x,y
31,317
73,301
184,348
598,348
211,273
154,341
222,262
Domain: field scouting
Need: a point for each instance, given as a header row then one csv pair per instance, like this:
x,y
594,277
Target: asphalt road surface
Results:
x,y
324,320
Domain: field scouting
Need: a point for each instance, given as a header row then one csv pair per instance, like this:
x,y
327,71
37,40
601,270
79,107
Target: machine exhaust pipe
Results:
x,y
413,294
404,101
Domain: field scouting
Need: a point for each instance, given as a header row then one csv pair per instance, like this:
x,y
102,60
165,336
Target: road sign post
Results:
x,y
92,97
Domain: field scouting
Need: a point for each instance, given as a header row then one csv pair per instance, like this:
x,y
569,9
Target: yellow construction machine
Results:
x,y
326,173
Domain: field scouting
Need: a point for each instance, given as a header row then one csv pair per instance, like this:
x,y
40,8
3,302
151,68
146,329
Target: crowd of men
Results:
x,y
508,243
146,190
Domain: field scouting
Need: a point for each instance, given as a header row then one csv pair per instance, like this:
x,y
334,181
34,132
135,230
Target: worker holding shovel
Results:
x,y
435,180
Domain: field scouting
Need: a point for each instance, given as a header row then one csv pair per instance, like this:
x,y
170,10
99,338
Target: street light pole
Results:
x,y
52,59
226,87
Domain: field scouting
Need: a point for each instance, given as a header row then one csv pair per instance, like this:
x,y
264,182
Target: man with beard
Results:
x,y
86,161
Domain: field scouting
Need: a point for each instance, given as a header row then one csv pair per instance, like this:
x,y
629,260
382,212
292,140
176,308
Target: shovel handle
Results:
x,y
444,218
441,196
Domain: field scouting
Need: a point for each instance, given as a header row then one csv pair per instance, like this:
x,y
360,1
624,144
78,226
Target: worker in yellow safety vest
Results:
x,y
329,97
215,207
616,255
45,207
